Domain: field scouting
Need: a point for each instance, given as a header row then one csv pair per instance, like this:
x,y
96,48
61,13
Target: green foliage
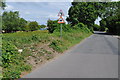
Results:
x,y
81,27
87,13
70,37
52,25
84,12
10,21
103,24
22,24
65,28
33,26
21,38
56,45
12,61
112,23
112,20
42,26
98,28
2,5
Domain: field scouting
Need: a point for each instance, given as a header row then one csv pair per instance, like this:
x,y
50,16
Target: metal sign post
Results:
x,y
61,31
60,21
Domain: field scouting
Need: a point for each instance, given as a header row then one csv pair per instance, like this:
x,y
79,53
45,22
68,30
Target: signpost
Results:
x,y
60,21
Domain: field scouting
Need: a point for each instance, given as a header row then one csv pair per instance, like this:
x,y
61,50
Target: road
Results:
x,y
95,57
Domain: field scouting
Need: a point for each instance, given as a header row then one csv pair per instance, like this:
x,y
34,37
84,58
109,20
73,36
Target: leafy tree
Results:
x,y
52,25
10,21
22,24
84,12
33,26
111,17
97,27
112,23
42,26
2,5
87,12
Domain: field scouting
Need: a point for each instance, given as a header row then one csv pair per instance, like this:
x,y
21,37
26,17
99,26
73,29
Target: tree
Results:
x,y
10,21
33,26
111,17
87,13
84,12
97,27
42,26
22,24
52,25
2,5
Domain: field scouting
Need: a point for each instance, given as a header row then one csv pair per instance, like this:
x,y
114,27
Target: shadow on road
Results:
x,y
102,33
105,33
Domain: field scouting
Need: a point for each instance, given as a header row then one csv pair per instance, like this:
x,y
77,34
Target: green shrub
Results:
x,y
56,45
97,27
34,37
12,61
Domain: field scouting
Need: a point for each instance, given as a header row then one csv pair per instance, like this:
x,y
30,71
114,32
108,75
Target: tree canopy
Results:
x,y
33,25
2,5
88,12
11,22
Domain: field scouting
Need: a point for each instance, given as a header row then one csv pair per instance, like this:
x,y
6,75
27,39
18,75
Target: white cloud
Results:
x,y
47,0
53,16
27,12
9,7
97,21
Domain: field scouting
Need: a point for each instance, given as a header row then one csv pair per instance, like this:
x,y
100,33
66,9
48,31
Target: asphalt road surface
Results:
x,y
95,57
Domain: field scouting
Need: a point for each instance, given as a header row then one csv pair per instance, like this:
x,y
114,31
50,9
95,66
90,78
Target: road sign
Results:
x,y
61,20
61,13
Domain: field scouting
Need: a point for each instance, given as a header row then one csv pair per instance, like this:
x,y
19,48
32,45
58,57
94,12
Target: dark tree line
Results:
x,y
112,19
11,22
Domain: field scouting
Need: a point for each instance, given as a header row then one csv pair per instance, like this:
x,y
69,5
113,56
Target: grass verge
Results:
x,y
22,51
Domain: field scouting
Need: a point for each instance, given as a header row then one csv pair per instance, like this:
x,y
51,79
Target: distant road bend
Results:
x,y
95,57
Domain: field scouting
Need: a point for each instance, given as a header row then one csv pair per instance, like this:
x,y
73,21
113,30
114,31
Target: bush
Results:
x,y
56,45
96,27
12,61
65,28
52,25
33,26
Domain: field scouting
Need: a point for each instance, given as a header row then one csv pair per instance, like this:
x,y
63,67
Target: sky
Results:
x,y
40,10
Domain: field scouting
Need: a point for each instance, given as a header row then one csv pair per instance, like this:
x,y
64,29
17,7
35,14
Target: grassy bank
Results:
x,y
36,47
